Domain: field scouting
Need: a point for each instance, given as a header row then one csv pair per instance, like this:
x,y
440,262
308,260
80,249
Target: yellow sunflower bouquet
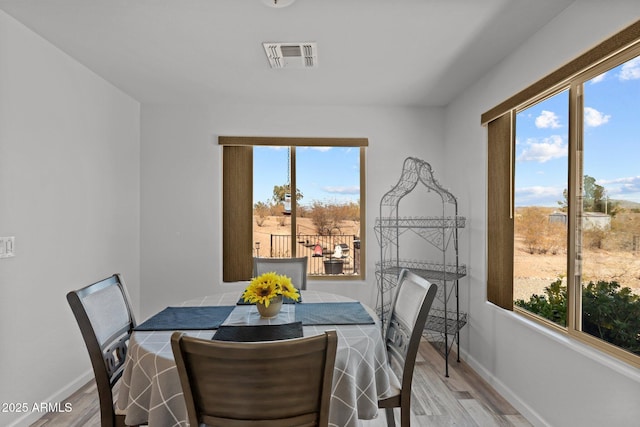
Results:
x,y
268,286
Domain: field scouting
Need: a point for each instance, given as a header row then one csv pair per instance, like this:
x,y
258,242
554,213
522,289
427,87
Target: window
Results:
x,y
292,197
607,246
540,214
564,199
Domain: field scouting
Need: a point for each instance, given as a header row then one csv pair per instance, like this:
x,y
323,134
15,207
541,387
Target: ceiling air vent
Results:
x,y
292,55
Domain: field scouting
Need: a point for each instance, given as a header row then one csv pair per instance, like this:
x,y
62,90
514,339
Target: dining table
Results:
x,y
150,391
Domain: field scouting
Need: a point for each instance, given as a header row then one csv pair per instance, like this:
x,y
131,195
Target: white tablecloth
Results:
x,y
150,390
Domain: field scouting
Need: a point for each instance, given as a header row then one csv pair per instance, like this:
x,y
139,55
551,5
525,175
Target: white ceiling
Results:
x,y
370,52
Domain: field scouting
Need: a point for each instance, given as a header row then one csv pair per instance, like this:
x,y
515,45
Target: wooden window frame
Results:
x,y
500,123
237,183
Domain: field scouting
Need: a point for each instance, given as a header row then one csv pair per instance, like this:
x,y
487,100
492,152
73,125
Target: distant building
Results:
x,y
593,220
590,220
558,217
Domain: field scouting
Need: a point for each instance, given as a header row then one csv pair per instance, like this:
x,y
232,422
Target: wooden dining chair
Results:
x,y
268,383
106,321
411,305
294,268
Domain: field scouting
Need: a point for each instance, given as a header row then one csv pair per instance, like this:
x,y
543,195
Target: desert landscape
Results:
x,y
344,231
533,272
611,254
614,260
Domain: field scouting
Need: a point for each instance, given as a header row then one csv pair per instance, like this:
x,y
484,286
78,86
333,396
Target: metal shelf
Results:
x,y
441,232
421,222
445,322
432,271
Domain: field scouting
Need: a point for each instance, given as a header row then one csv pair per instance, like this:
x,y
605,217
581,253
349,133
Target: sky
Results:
x,y
326,174
611,140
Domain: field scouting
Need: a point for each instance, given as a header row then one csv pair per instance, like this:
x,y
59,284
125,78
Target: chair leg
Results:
x,y
120,421
391,422
405,416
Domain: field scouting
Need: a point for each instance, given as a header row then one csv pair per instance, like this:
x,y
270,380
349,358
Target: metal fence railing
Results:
x,y
328,255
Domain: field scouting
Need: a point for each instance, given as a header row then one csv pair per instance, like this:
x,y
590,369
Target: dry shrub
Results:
x,y
625,231
320,218
261,211
327,217
529,224
593,238
539,235
555,237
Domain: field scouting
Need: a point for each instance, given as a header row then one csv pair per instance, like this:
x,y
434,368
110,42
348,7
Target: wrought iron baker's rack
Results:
x,y
441,232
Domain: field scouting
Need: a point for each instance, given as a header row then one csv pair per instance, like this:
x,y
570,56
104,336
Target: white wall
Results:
x,y
77,190
551,379
181,183
69,193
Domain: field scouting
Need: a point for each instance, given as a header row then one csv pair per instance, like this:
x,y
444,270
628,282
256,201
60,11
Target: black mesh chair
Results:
x,y
104,316
411,305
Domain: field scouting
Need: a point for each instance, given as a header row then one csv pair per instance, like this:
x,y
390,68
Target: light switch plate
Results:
x,y
7,247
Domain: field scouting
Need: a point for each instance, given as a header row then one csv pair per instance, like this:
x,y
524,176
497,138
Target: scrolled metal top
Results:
x,y
415,170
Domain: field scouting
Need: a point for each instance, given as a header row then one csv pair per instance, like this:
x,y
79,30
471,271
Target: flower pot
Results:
x,y
272,311
333,266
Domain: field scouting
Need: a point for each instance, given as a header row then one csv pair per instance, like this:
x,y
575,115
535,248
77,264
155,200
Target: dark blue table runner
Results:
x,y
333,313
212,317
186,318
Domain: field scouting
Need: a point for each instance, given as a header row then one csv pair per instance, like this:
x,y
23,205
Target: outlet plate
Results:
x,y
7,247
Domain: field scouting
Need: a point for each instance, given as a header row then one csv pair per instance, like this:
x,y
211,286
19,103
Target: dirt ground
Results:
x,y
533,272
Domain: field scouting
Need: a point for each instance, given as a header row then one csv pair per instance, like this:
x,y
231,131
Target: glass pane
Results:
x,y
328,212
540,230
272,225
610,218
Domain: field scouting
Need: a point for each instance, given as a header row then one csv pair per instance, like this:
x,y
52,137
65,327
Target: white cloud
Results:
x,y
599,78
619,180
594,118
547,119
539,191
538,195
342,190
549,148
630,70
621,186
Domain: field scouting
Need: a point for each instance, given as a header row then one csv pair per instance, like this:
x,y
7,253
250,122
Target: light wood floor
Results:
x,y
462,400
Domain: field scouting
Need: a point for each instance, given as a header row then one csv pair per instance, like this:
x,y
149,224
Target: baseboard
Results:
x,y
525,410
59,396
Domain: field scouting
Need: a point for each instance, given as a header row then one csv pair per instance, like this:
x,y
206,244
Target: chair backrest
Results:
x,y
294,268
410,308
268,383
106,321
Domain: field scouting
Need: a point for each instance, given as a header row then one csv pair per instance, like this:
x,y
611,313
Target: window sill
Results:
x,y
601,357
